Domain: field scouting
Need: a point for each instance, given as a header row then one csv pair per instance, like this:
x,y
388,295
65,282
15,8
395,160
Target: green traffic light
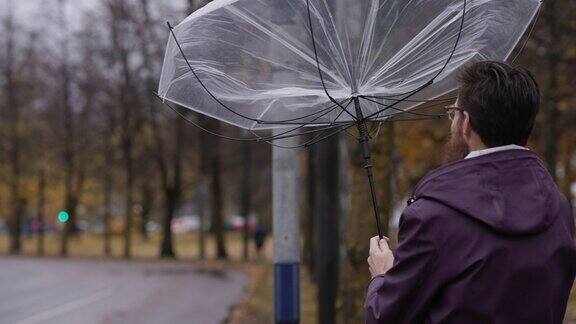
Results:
x,y
63,216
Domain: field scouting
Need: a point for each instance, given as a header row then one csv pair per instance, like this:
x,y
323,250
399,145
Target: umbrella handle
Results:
x,y
366,154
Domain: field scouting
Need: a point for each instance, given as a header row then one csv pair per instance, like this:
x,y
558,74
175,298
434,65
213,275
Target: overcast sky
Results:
x,y
33,14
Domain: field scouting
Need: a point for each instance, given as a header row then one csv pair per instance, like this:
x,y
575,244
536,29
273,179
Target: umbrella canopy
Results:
x,y
262,64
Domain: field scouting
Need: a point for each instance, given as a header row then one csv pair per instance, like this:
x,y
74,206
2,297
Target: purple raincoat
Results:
x,y
487,240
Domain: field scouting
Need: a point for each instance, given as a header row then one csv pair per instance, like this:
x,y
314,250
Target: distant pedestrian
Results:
x,y
259,239
487,238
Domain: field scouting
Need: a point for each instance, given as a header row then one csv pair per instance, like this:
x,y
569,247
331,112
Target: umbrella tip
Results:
x,y
169,25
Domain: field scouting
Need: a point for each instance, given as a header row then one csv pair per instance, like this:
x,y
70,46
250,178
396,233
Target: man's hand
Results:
x,y
381,258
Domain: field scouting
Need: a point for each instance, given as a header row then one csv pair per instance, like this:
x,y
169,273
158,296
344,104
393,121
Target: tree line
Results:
x,y
83,132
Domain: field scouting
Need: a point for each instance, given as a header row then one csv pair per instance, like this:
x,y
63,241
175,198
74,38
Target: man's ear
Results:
x,y
466,125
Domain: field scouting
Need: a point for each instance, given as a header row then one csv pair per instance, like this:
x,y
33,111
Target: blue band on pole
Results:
x,y
287,292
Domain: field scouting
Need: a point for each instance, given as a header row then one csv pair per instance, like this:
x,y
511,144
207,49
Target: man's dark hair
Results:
x,y
502,102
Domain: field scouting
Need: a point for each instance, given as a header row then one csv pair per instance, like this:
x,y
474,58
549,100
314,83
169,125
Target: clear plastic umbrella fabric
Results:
x,y
252,63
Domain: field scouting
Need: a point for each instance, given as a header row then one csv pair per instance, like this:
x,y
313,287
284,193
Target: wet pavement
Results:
x,y
96,291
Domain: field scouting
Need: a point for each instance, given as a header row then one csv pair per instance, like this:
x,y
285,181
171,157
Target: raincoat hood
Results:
x,y
510,191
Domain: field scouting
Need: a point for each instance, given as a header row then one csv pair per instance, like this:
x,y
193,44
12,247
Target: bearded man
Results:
x,y
488,237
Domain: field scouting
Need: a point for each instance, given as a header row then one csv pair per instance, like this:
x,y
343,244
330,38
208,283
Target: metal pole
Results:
x,y
286,232
365,149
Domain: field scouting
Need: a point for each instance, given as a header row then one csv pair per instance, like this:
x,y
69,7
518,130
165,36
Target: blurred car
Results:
x,y
236,223
185,224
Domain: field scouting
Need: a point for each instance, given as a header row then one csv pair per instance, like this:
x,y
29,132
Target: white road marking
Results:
x,y
65,308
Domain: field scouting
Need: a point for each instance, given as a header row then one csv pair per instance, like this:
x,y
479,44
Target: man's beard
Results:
x,y
456,148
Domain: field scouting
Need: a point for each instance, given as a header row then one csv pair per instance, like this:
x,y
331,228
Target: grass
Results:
x,y
257,305
92,246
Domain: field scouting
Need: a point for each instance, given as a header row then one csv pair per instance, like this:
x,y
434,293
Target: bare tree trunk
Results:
x,y
569,177
41,207
70,208
172,186
69,156
108,178
326,211
216,198
344,203
551,130
13,115
217,210
128,133
217,201
167,249
109,149
130,126
147,199
246,193
201,194
173,193
201,206
129,200
310,229
388,177
169,163
16,227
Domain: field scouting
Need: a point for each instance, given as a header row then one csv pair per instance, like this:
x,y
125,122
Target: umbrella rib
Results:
x,y
384,42
186,119
411,100
216,99
334,124
399,109
318,62
326,110
237,139
411,119
416,45
279,137
281,41
316,139
336,44
340,113
257,121
201,83
417,90
304,125
529,33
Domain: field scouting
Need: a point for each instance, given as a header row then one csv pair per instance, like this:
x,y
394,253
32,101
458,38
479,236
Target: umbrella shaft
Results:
x,y
365,149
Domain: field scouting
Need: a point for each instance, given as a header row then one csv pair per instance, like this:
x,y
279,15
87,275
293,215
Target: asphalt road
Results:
x,y
93,291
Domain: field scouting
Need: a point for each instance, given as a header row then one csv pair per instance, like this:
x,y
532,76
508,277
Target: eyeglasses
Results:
x,y
451,111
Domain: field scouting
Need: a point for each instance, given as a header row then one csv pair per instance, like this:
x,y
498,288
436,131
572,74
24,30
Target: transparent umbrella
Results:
x,y
332,64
